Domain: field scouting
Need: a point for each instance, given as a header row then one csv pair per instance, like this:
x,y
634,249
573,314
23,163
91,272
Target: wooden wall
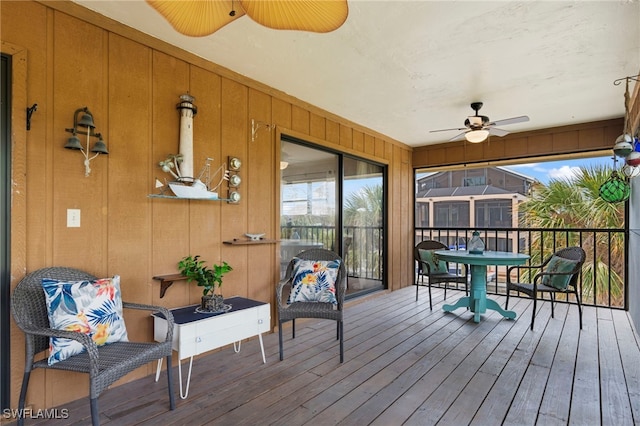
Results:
x,y
572,140
69,58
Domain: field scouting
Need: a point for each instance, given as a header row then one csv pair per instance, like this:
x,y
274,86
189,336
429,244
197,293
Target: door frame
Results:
x,y
12,356
5,236
300,140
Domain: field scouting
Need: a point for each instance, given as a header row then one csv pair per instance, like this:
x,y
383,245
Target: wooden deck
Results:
x,y
405,364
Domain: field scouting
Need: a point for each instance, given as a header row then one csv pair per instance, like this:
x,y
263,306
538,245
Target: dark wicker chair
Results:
x,y
104,364
575,254
312,309
434,277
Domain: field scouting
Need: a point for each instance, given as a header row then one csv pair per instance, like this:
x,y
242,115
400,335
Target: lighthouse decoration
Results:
x,y
180,166
187,110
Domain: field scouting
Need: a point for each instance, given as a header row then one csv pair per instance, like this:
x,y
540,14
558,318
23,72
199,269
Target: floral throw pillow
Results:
x,y
90,307
314,281
436,266
558,265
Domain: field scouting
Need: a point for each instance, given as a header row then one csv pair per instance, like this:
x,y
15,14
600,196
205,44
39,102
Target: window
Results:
x,y
474,181
422,214
451,214
309,198
493,214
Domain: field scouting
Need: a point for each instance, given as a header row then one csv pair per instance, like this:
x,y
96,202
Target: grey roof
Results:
x,y
431,175
465,191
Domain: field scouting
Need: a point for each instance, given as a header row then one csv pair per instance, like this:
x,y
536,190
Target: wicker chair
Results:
x,y
104,364
434,277
574,254
312,309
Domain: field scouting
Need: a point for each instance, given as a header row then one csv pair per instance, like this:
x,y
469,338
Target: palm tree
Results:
x,y
364,208
363,223
575,203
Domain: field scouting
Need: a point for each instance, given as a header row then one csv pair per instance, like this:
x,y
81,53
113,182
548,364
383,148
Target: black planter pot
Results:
x,y
212,303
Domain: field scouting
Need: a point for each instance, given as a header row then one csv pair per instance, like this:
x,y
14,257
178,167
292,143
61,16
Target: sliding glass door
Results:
x,y
363,224
333,201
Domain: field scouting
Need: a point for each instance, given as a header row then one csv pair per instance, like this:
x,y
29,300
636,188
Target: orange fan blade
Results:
x,y
197,18
319,16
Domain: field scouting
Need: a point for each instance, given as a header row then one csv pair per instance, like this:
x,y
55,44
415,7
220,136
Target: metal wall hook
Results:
x,y
30,110
627,79
255,125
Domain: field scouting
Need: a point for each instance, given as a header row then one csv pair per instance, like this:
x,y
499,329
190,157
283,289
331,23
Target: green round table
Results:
x,y
477,301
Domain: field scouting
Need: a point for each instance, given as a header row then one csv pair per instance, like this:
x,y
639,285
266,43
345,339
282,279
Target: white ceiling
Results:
x,y
403,68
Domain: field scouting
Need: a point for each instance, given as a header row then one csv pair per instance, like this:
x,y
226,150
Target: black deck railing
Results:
x,y
603,281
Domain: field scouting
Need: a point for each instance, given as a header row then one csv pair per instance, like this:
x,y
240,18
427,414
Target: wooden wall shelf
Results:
x,y
167,280
246,242
173,197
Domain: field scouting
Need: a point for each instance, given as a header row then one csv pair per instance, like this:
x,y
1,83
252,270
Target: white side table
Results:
x,y
196,333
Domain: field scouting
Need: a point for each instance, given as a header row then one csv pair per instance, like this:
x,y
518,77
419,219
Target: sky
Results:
x,y
543,172
564,169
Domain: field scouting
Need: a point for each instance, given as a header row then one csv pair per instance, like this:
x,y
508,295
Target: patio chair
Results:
x,y
104,364
436,271
558,274
312,309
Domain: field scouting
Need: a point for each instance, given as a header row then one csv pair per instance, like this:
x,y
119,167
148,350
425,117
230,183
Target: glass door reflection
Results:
x,y
308,199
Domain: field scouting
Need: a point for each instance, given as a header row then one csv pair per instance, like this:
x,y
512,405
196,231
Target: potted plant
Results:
x,y
209,278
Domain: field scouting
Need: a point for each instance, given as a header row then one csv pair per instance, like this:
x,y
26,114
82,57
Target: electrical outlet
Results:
x,y
73,218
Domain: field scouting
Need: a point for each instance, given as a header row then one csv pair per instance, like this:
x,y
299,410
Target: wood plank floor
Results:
x,y
407,365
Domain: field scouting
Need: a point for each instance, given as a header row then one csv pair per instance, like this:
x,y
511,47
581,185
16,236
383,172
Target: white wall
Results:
x,y
634,253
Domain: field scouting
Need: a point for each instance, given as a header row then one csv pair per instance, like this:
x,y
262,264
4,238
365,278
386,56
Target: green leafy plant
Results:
x,y
209,278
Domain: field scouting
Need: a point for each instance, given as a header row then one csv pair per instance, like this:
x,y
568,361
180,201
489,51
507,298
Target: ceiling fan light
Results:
x,y
476,136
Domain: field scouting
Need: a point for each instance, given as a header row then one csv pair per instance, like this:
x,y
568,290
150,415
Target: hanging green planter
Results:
x,y
615,189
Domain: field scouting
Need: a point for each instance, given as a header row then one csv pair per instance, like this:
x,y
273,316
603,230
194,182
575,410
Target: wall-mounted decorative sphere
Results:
x,y
630,171
235,180
633,159
622,149
615,189
234,163
625,137
234,197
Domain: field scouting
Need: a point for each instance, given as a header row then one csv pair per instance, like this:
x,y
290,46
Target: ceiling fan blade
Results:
x,y
513,120
197,18
458,137
497,132
447,130
302,15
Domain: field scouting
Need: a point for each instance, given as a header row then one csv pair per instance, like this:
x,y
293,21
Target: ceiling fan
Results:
x,y
479,127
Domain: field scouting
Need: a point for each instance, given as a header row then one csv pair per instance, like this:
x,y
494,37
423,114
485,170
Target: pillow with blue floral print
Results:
x,y
314,281
90,307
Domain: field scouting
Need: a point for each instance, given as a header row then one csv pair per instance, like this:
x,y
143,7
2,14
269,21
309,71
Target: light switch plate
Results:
x,y
73,218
